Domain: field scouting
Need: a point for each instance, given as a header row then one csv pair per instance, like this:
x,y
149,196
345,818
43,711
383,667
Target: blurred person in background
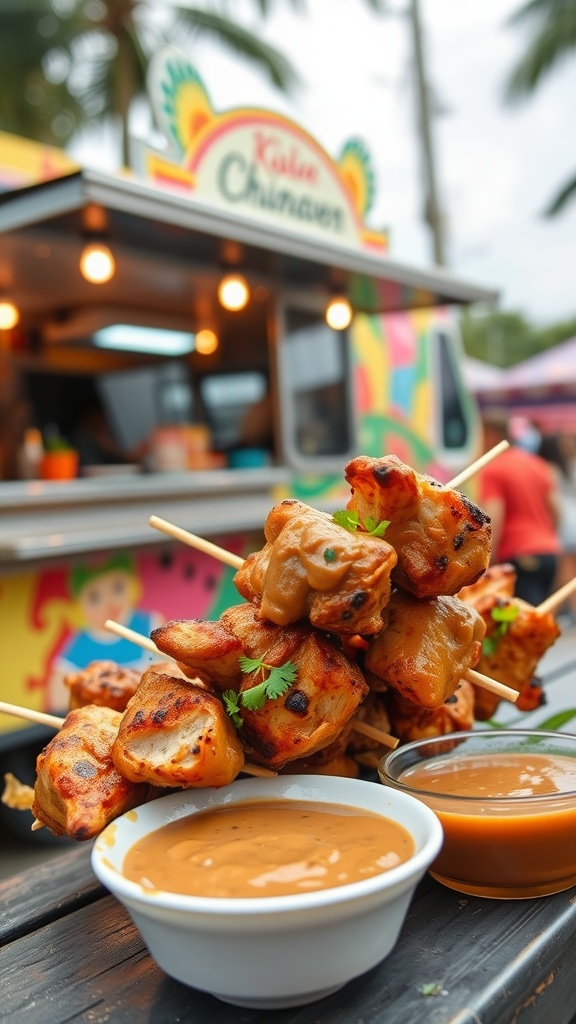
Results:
x,y
559,450
519,492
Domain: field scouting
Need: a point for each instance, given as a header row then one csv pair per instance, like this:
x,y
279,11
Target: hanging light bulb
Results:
x,y
206,342
338,313
97,264
233,292
9,315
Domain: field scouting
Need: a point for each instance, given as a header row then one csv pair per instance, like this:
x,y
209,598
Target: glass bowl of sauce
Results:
x,y
270,893
506,800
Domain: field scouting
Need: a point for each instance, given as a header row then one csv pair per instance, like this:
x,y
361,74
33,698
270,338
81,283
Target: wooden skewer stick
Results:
x,y
375,734
56,723
555,601
507,692
479,464
193,541
142,641
39,717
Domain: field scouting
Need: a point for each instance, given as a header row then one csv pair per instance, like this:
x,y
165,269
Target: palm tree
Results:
x,y
553,39
66,65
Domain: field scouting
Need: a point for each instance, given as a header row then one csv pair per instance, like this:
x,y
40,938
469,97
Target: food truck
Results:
x,y
215,407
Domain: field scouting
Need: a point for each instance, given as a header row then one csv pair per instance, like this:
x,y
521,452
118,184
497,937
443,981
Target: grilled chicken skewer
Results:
x,y
517,636
493,685
210,653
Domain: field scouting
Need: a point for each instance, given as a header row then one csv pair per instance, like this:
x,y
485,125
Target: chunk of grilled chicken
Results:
x,y
103,683
309,715
442,538
455,715
315,709
517,637
313,568
498,580
78,789
176,734
203,648
426,646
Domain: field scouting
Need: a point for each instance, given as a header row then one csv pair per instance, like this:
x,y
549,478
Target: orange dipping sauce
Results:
x,y
509,820
267,848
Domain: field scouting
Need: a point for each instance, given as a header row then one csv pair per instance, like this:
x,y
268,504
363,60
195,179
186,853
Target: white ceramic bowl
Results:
x,y
274,951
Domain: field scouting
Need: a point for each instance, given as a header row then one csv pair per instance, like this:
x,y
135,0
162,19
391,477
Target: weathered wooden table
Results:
x,y
69,952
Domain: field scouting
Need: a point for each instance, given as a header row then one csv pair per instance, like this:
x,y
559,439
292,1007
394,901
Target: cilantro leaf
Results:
x,y
278,680
344,517
503,615
351,521
230,698
375,528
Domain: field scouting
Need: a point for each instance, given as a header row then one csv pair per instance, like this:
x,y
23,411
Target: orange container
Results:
x,y
59,465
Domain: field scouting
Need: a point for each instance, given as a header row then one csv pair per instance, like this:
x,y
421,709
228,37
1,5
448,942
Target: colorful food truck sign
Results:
x,y
254,162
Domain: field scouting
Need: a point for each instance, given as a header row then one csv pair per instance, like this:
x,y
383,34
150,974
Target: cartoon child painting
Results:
x,y
105,590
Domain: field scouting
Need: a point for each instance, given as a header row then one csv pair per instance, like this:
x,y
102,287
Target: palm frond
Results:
x,y
239,41
552,42
566,193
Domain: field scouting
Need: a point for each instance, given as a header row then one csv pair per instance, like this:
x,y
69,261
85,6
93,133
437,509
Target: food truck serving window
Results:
x,y
315,383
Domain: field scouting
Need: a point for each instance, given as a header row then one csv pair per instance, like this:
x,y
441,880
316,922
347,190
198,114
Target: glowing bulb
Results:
x,y
9,315
233,292
206,342
97,263
338,314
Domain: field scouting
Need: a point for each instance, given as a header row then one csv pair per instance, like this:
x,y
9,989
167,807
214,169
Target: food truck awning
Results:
x,y
164,242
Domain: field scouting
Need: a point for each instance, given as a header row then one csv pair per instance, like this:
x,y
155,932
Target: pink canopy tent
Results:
x,y
542,389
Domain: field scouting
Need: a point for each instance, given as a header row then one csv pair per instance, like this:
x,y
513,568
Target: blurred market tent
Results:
x,y
541,388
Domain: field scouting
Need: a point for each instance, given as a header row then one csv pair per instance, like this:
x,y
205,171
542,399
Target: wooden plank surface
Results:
x,y
492,961
47,892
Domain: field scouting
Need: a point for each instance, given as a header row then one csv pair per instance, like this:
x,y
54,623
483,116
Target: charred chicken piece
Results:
x,y
176,734
202,648
78,789
455,715
313,568
103,683
498,581
441,537
309,715
517,637
315,709
426,646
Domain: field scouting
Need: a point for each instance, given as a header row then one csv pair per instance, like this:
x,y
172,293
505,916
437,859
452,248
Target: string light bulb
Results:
x,y
97,264
9,315
206,341
339,313
233,292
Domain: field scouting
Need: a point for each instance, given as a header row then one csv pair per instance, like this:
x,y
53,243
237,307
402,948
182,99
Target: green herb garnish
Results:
x,y
351,521
503,616
232,705
277,681
434,988
329,555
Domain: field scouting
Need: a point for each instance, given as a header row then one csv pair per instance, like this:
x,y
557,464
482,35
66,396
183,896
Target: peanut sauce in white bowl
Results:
x,y
289,944
267,848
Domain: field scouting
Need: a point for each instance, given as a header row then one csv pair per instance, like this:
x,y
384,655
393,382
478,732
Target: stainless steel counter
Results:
x,y
47,520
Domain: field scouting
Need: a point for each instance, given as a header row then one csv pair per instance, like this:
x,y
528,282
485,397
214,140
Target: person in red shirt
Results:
x,y
518,491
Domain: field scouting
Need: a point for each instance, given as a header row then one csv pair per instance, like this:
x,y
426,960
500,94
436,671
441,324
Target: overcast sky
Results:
x,y
497,167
